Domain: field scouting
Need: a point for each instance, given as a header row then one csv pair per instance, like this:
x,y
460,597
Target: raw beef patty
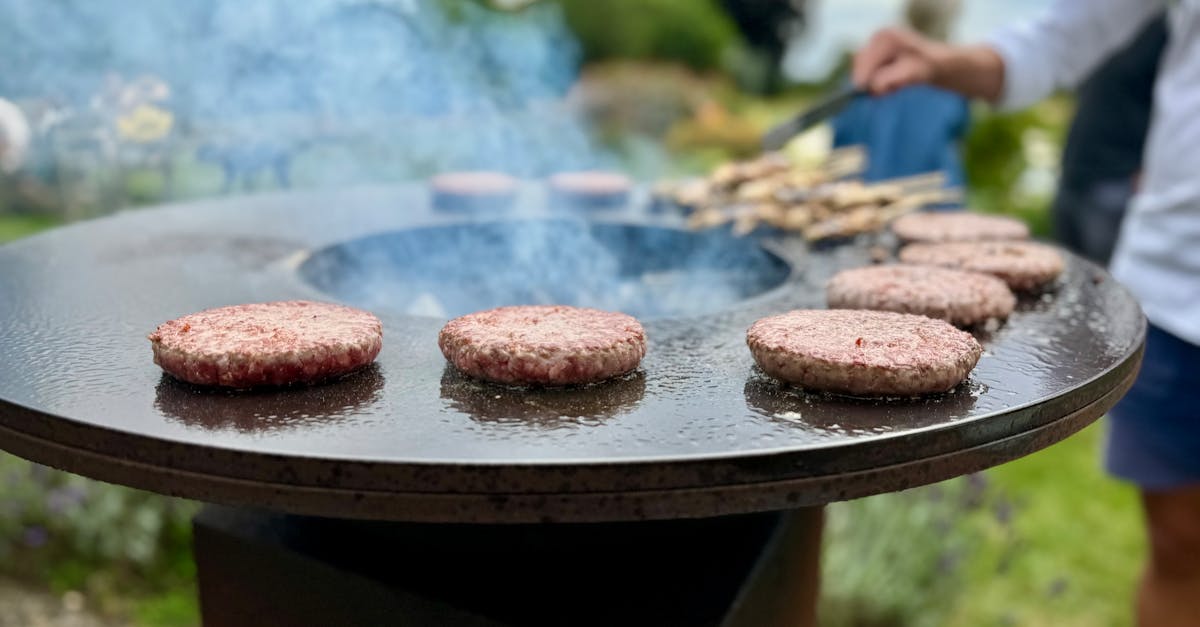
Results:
x,y
863,353
543,344
278,343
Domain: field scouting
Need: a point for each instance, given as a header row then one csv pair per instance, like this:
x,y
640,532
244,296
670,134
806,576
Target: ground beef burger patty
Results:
x,y
473,190
863,353
543,344
279,343
590,188
958,226
956,296
1023,265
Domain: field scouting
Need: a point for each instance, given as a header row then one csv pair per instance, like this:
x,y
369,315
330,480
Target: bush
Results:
x,y
123,548
902,558
696,33
1000,152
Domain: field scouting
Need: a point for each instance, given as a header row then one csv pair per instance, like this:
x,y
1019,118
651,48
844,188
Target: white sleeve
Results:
x,y
1061,47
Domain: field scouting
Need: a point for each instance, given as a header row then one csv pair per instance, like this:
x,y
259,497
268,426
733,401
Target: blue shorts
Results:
x,y
1154,431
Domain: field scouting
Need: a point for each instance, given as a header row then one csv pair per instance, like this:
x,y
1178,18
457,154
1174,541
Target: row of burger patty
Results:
x,y
891,330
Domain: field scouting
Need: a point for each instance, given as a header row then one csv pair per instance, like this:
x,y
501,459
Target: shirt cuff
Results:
x,y
1026,75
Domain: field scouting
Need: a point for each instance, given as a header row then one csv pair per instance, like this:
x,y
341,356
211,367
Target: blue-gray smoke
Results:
x,y
382,88
350,91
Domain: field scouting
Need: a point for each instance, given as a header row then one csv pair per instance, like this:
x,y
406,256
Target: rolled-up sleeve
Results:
x,y
1061,47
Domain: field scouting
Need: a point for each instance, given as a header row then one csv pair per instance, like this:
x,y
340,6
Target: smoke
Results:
x,y
449,271
336,92
364,89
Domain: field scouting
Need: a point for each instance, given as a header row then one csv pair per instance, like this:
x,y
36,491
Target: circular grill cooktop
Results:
x,y
695,432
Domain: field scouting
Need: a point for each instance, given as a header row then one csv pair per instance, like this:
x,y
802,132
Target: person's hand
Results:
x,y
895,58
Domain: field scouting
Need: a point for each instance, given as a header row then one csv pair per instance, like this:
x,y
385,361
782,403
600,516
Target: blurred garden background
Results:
x,y
655,87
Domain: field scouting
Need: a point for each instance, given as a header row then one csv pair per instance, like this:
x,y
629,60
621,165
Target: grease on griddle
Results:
x,y
542,408
269,409
852,415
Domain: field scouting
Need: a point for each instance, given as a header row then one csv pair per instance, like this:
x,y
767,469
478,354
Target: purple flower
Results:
x,y
948,562
35,536
60,500
39,473
1004,511
973,495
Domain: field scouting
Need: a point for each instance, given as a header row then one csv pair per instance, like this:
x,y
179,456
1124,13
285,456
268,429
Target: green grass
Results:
x,y
179,607
1044,540
17,226
1079,544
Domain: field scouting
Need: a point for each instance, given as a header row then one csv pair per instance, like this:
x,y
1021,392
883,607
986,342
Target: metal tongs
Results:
x,y
827,107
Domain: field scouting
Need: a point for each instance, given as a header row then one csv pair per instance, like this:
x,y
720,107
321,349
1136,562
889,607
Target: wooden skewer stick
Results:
x,y
918,182
745,224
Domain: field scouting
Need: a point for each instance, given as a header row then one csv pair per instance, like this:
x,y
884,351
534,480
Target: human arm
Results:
x,y
897,57
1020,64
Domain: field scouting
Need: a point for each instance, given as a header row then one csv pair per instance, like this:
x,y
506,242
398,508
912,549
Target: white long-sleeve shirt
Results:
x,y
1158,252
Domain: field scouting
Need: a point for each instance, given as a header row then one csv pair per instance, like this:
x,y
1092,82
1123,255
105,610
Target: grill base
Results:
x,y
300,571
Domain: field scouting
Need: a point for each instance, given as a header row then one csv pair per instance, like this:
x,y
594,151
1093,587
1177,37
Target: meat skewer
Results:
x,y
819,201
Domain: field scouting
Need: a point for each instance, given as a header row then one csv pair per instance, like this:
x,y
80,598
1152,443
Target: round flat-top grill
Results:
x,y
695,432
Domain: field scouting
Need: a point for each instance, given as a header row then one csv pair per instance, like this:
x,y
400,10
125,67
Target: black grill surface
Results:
x,y
696,431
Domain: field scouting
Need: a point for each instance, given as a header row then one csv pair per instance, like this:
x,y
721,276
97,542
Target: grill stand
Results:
x,y
257,567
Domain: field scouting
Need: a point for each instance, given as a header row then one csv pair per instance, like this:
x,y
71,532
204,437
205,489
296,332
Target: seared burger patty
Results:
x,y
958,226
863,353
1023,265
470,190
468,183
956,296
590,188
279,343
543,344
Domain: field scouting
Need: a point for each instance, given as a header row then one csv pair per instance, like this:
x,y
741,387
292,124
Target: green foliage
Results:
x,y
144,187
895,559
693,32
121,547
1044,540
1000,150
1079,538
14,226
176,607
